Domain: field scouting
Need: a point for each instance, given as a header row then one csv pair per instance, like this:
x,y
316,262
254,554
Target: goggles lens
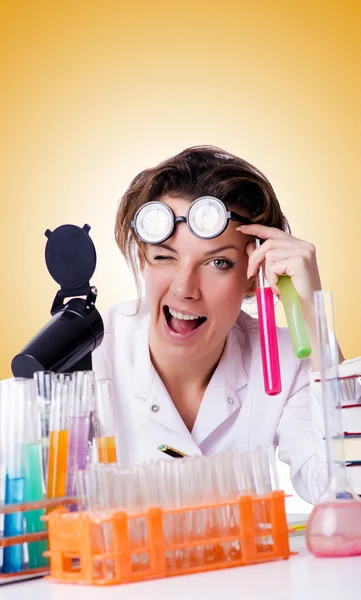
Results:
x,y
207,217
154,222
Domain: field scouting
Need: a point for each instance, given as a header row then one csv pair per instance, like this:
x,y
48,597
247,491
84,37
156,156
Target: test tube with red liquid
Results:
x,y
268,334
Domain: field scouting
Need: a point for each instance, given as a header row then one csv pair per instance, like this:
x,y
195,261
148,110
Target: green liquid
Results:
x,y
34,491
295,321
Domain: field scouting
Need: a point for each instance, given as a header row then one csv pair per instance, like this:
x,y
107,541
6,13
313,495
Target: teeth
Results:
x,y
179,315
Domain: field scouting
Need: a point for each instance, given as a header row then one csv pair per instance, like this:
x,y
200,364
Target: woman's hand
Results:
x,y
283,254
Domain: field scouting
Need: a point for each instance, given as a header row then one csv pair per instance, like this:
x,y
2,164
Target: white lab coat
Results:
x,y
235,411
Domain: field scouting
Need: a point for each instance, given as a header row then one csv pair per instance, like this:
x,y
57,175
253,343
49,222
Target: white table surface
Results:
x,y
301,577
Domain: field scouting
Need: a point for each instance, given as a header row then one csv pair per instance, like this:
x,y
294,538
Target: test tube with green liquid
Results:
x,y
295,321
34,484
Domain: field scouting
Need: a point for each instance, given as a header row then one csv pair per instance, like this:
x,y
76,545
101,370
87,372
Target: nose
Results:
x,y
185,284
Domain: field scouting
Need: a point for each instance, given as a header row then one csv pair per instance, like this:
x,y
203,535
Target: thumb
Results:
x,y
250,247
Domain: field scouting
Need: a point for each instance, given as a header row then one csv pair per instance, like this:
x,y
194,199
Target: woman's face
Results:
x,y
187,277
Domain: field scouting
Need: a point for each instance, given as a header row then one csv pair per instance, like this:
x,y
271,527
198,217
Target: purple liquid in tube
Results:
x,y
78,450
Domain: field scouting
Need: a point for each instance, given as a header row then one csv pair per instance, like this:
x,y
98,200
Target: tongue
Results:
x,y
182,325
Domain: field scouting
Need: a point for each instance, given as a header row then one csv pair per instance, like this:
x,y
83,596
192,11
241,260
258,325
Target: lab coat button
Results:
x,y
155,408
230,400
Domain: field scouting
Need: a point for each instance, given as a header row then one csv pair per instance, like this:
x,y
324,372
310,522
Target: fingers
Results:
x,y
305,279
283,254
274,270
250,247
263,231
281,249
273,250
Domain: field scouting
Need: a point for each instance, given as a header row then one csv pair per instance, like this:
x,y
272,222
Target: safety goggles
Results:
x,y
207,217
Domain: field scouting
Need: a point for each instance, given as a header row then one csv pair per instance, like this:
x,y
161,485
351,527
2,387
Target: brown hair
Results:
x,y
197,171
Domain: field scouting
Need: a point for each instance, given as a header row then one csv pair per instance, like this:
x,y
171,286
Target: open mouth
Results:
x,y
182,323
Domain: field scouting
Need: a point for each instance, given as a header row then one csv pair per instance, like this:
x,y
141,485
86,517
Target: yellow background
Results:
x,y
94,91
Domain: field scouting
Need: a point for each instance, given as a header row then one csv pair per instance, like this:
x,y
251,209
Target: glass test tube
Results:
x,y
104,422
43,381
97,486
296,324
78,423
13,403
268,335
34,483
58,436
334,525
328,350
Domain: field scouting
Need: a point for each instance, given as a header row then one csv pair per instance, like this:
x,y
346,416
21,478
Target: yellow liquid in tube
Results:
x,y
57,463
107,452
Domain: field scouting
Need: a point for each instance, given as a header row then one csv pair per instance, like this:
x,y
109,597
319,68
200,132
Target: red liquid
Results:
x,y
269,343
334,529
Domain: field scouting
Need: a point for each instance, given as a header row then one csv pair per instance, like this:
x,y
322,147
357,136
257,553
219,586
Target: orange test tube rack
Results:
x,y
28,573
76,556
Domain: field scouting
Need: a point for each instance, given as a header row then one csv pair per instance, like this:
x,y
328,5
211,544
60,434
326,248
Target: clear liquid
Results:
x,y
78,450
334,529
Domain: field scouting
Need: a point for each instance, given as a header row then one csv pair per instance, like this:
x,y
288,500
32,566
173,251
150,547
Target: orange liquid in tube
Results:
x,y
107,452
57,463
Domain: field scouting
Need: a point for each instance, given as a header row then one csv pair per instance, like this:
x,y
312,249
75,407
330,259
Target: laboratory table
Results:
x,y
301,577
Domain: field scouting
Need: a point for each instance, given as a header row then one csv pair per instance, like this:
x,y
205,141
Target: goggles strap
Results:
x,y
236,217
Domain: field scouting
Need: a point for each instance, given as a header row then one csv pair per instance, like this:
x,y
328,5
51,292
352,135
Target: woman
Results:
x,y
185,361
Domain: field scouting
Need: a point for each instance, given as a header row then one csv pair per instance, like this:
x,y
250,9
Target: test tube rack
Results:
x,y
77,555
27,538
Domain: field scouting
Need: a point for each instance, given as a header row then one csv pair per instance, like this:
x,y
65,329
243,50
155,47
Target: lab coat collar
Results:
x,y
220,399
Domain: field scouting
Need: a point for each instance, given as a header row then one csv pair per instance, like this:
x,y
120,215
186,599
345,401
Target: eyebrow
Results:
x,y
209,253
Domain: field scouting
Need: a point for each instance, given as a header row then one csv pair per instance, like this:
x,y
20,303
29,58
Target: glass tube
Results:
x,y
78,423
295,321
268,335
334,525
13,400
104,422
58,436
43,381
34,483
